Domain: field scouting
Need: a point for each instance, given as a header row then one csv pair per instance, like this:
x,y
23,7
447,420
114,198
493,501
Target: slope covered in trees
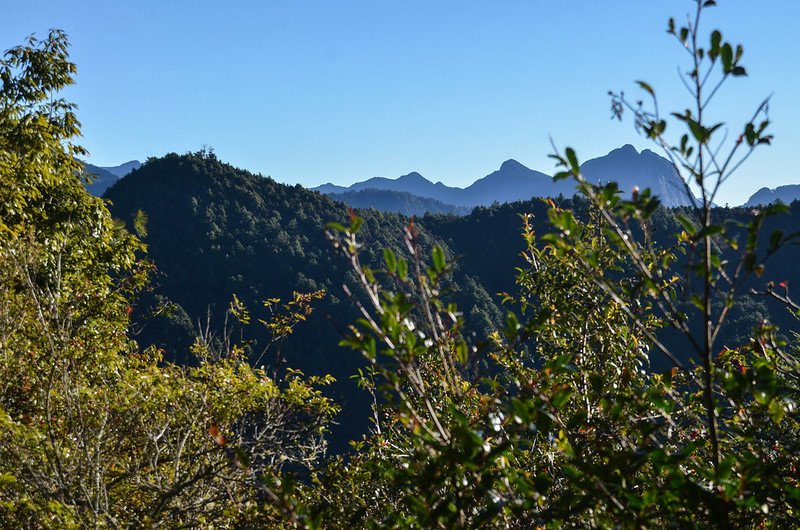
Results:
x,y
486,246
94,431
561,422
395,201
214,231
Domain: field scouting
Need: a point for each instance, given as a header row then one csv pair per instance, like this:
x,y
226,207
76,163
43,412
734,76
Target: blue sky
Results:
x,y
339,91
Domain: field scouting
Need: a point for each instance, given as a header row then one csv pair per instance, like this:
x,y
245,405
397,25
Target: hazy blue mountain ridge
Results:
x,y
413,194
104,177
412,183
515,182
629,168
123,169
786,194
396,201
511,182
100,179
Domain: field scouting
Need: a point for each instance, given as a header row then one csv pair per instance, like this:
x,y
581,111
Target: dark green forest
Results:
x,y
203,347
396,201
214,231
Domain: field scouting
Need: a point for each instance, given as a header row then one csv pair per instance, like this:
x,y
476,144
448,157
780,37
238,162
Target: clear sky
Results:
x,y
313,91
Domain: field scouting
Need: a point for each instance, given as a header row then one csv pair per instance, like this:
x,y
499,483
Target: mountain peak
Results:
x,y
629,169
413,177
786,194
510,165
123,169
514,181
627,150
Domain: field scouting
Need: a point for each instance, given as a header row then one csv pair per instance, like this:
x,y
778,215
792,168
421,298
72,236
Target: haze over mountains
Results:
x,y
214,230
514,182
629,168
105,177
413,194
786,194
396,201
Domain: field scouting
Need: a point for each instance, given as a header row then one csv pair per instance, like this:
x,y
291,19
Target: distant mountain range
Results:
x,y
402,202
511,182
413,194
214,230
629,169
786,194
514,182
104,177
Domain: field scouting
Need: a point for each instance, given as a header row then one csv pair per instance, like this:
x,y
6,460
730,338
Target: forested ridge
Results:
x,y
396,201
197,348
214,231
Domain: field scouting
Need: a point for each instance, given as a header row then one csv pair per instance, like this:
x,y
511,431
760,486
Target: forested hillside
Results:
x,y
214,231
487,244
593,362
395,201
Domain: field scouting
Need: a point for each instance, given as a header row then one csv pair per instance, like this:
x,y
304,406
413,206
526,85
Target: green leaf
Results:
x,y
140,223
725,467
646,87
390,259
561,175
597,382
687,225
402,269
716,39
336,226
573,160
775,239
708,231
700,133
749,262
438,258
461,351
776,410
561,397
512,326
726,53
697,302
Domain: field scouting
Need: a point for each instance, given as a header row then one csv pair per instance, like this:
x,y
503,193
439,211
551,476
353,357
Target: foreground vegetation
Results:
x,y
557,419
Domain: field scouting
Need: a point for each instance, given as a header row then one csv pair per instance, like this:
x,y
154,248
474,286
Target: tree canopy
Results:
x,y
95,432
614,393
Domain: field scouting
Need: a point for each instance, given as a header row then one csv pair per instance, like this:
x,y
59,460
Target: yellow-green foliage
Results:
x,y
93,432
556,421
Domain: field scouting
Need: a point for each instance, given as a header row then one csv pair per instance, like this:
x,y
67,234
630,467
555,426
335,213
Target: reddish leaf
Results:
x,y
216,434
